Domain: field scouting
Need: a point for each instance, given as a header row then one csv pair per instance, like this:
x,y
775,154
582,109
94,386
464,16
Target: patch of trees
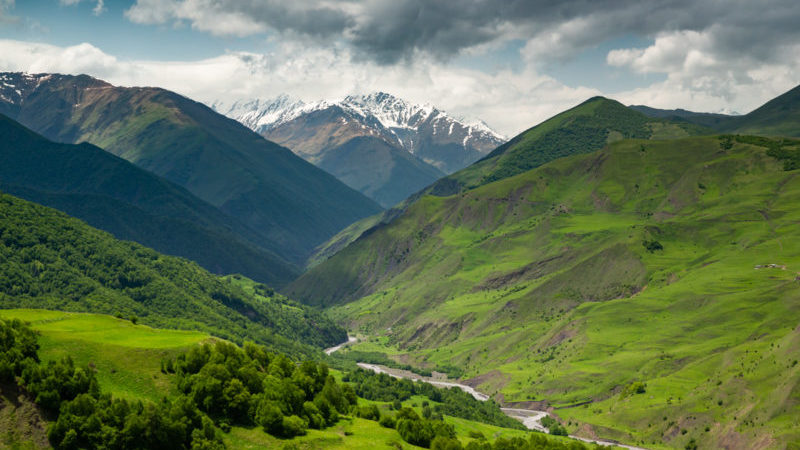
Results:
x,y
553,426
49,260
652,246
784,150
536,441
252,386
453,401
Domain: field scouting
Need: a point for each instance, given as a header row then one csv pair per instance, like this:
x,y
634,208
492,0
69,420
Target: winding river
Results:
x,y
531,418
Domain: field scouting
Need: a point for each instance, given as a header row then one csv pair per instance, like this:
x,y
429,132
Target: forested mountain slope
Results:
x,y
50,260
132,204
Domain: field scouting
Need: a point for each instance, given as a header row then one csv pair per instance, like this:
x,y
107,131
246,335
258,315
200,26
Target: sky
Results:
x,y
509,63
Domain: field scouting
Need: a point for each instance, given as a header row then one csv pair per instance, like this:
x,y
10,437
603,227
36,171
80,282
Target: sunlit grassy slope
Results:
x,y
126,357
542,287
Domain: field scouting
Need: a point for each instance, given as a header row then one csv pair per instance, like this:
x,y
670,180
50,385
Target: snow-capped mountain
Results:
x,y
311,129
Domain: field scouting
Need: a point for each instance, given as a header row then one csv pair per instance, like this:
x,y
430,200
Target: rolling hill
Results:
x,y
668,263
116,196
292,205
49,260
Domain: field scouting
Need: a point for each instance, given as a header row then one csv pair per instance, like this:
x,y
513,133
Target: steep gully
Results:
x,y
531,418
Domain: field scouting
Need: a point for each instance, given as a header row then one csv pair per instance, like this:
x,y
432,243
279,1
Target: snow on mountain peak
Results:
x,y
381,112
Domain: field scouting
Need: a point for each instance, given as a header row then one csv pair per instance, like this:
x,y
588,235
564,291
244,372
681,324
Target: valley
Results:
x,y
611,276
548,287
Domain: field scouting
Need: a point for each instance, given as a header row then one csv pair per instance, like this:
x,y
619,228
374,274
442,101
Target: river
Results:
x,y
531,418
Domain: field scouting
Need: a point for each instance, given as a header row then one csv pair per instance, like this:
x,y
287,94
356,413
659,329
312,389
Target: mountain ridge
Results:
x,y
293,205
409,126
112,194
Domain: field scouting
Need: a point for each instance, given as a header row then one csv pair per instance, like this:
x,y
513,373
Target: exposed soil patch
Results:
x,y
21,421
495,378
531,271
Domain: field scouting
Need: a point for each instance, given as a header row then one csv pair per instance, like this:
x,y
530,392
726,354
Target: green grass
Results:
x,y
126,357
541,284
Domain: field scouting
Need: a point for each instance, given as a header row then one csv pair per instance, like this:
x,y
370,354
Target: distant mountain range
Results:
x,y
291,205
379,144
778,117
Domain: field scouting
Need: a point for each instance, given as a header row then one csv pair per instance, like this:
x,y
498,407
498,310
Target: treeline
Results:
x,y
536,441
430,431
453,401
49,260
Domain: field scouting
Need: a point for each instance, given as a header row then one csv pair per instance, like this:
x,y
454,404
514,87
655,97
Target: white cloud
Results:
x,y
508,101
703,75
99,7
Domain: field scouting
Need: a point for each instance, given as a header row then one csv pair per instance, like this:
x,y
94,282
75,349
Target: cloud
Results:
x,y
509,101
99,7
388,31
716,55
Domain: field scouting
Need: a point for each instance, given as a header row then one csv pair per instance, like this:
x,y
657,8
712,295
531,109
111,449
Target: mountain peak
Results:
x,y
412,127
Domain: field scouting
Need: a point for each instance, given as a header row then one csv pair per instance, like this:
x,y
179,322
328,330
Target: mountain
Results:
x,y
49,260
292,205
379,170
654,281
583,129
114,195
424,131
778,117
378,144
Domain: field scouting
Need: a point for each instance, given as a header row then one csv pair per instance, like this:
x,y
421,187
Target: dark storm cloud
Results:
x,y
391,30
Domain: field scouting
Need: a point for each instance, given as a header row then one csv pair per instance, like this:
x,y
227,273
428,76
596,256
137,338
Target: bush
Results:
x,y
294,426
445,443
387,421
369,412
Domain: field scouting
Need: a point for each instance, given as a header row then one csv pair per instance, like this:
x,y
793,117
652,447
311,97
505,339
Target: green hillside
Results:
x,y
670,263
583,129
49,260
778,117
293,205
178,378
132,204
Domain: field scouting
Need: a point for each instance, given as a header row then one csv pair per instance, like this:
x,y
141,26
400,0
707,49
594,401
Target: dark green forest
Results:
x,y
51,261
